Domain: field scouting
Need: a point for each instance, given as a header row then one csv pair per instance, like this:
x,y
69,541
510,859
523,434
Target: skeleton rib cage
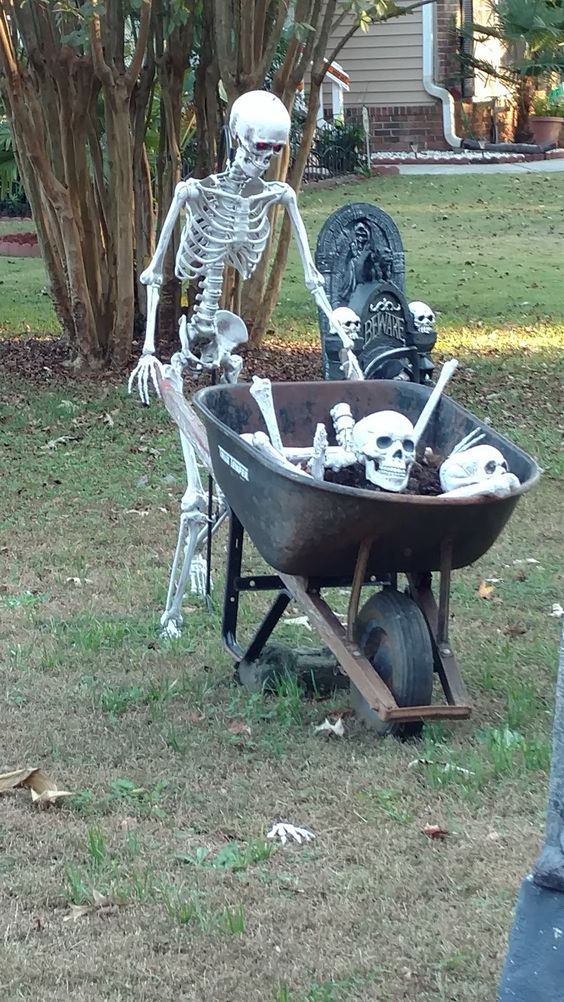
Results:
x,y
225,229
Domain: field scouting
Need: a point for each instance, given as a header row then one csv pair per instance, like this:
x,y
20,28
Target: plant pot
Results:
x,y
545,128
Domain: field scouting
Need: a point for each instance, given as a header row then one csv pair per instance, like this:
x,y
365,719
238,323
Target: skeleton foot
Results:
x,y
171,626
198,575
146,372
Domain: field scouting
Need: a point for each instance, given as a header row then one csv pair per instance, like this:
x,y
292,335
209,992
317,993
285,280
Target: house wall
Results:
x,y
385,65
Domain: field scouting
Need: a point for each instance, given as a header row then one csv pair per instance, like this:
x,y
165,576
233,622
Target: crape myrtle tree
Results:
x,y
84,83
78,82
246,46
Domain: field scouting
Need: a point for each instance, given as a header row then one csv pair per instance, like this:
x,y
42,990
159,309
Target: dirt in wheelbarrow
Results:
x,y
423,479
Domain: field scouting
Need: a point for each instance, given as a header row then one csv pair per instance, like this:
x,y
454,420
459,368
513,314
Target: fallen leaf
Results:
x,y
434,831
337,728
49,797
43,790
238,727
485,590
102,904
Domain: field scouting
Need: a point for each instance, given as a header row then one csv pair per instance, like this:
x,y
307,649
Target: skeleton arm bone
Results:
x,y
149,370
313,279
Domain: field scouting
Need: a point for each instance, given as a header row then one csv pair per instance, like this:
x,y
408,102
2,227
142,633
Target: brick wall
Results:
x,y
447,70
394,127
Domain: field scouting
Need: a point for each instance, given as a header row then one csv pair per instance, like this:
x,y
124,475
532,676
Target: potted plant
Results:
x,y
548,118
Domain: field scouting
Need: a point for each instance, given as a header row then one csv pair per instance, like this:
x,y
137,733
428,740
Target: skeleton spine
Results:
x,y
201,325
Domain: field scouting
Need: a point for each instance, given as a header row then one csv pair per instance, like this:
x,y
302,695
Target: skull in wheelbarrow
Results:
x,y
385,443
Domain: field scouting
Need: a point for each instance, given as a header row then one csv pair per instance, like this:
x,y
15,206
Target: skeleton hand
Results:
x,y
349,365
283,830
146,372
198,574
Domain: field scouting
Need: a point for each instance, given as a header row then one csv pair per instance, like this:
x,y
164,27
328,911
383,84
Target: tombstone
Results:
x,y
360,255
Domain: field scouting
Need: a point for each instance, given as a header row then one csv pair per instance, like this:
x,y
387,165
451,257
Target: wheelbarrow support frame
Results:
x,y
306,593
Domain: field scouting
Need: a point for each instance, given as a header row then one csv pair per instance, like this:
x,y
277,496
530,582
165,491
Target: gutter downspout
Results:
x,y
428,22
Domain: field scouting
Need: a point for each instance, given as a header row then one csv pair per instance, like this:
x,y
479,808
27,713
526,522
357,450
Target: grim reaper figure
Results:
x,y
226,225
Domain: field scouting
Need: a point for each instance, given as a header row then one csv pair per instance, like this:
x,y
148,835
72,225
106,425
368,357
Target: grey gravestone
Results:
x,y
360,255
534,969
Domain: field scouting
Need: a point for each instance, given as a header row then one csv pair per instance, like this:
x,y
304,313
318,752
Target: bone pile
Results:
x,y
384,444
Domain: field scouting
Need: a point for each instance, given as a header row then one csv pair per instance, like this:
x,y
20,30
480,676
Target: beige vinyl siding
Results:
x,y
385,64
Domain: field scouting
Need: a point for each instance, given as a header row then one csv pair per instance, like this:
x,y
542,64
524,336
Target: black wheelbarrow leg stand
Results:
x,y
234,585
306,593
437,617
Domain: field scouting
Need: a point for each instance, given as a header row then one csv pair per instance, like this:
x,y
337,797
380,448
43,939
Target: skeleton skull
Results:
x,y
348,320
423,317
260,123
473,466
384,442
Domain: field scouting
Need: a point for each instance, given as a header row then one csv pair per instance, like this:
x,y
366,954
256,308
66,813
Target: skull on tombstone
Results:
x,y
385,443
423,317
260,123
349,320
474,466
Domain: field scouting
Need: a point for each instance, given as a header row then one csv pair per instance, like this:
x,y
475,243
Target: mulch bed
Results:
x,y
45,359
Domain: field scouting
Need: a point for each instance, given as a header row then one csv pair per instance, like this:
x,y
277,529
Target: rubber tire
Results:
x,y
392,633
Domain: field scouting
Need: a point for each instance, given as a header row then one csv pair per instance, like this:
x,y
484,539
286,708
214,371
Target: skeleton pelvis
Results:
x,y
231,330
228,331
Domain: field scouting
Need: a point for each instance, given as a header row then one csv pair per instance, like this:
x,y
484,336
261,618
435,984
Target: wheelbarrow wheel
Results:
x,y
391,632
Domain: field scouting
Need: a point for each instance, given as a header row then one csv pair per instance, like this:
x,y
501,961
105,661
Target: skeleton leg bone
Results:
x,y
192,519
261,390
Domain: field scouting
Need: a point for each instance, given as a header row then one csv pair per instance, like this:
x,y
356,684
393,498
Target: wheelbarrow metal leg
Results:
x,y
265,629
437,621
231,599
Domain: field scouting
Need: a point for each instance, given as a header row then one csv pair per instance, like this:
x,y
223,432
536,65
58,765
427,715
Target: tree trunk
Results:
x,y
272,291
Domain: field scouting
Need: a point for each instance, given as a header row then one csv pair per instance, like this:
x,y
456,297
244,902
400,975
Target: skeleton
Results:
x,y
350,322
423,317
477,471
227,225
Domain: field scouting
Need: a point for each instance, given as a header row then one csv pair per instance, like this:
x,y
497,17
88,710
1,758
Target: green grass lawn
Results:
x,y
178,774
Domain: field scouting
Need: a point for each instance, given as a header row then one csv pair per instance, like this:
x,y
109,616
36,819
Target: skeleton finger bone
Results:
x,y
469,440
148,370
261,391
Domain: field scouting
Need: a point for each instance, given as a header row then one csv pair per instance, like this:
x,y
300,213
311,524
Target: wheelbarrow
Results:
x,y
318,536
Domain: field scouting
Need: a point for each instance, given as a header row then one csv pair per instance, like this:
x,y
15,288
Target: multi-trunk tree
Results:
x,y
82,81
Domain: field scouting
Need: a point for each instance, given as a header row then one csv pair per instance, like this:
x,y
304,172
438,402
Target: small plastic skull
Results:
x,y
384,442
348,320
474,466
423,317
260,123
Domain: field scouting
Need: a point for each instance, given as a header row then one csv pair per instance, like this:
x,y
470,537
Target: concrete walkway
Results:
x,y
530,167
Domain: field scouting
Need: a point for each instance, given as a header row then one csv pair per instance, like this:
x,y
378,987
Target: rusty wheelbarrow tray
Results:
x,y
317,535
